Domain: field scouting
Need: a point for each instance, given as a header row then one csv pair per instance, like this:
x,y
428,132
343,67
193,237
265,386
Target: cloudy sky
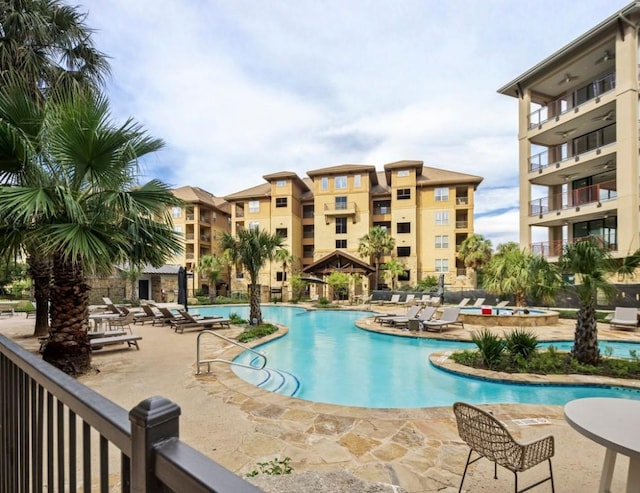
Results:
x,y
238,89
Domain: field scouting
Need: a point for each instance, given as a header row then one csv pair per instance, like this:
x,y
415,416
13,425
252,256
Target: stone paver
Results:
x,y
239,425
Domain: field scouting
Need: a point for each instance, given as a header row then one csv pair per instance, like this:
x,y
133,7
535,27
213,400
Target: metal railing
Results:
x,y
573,198
555,248
200,361
56,435
584,94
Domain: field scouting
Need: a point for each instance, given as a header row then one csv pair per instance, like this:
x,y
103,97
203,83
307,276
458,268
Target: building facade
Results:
x,y
578,137
428,211
201,222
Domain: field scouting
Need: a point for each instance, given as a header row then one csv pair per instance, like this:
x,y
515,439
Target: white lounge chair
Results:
x,y
395,298
200,323
624,318
409,299
463,302
478,302
412,312
449,317
502,304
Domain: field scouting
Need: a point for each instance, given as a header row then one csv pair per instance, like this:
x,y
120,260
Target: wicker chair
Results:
x,y
489,438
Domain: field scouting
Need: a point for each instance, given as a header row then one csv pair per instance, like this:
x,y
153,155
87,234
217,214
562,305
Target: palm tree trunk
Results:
x,y
40,273
585,348
68,347
254,303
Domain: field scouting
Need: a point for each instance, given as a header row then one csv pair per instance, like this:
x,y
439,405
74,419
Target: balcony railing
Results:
x,y
205,238
572,149
239,212
556,247
462,200
190,236
56,435
573,198
462,224
566,103
189,255
382,210
205,219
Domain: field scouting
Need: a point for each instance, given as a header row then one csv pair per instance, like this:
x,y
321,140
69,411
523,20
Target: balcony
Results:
x,y
205,219
462,200
190,217
205,238
555,248
381,210
189,255
462,224
340,209
555,155
189,236
594,89
573,198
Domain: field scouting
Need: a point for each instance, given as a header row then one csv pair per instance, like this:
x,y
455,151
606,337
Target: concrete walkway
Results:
x,y
239,425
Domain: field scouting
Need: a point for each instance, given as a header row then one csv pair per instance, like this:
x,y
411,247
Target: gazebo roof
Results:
x,y
338,261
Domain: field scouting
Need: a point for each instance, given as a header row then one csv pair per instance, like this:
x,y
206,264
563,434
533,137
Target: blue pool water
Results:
x,y
325,358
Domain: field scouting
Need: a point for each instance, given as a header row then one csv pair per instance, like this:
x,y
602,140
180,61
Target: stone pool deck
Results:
x,y
239,425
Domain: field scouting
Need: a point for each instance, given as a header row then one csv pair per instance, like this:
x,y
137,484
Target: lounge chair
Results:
x,y
122,323
148,315
502,304
478,302
463,302
624,318
409,299
200,323
412,312
168,317
425,299
395,298
449,317
489,438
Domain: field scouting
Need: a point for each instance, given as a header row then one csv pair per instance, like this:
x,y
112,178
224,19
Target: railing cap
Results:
x,y
154,411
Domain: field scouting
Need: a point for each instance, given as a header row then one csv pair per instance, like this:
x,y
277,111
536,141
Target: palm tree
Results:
x,y
211,267
376,243
252,249
45,46
285,258
591,263
394,268
82,204
513,271
475,252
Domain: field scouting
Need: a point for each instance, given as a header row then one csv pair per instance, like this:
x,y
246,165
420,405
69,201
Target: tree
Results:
x,y
285,258
590,262
45,46
83,205
339,282
513,271
393,269
130,273
376,243
475,252
252,248
211,267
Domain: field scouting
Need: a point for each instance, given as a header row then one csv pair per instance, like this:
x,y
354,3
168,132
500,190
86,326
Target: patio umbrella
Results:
x,y
182,287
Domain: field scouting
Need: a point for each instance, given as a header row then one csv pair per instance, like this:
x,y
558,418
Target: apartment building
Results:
x,y
201,222
578,140
428,211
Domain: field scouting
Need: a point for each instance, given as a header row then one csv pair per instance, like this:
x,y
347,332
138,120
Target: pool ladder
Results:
x,y
208,362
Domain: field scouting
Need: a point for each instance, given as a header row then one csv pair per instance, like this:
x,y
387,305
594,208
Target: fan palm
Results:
x,y
286,259
211,267
252,248
82,205
376,243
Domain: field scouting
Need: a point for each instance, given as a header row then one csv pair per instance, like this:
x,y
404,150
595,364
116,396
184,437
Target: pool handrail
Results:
x,y
222,360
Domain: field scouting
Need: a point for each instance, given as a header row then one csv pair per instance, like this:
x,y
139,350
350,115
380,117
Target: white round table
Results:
x,y
615,424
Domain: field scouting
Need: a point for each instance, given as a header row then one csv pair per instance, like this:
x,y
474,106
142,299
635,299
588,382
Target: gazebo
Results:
x,y
339,261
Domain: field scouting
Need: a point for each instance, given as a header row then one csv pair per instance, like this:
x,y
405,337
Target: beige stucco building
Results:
x,y
428,211
578,137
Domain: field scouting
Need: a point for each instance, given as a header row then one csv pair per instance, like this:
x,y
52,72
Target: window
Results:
x,y
341,203
307,211
281,201
386,225
442,241
324,184
404,276
176,212
442,218
404,227
254,206
282,232
441,194
404,251
281,276
307,251
382,207
253,225
403,193
403,172
341,243
442,265
281,183
215,217
177,229
357,181
340,182
341,225
307,231
239,274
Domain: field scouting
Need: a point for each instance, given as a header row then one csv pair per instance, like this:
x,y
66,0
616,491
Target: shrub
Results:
x,y
236,319
324,301
521,342
275,467
489,345
251,333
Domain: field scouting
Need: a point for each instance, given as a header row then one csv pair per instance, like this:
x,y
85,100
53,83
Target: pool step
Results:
x,y
271,379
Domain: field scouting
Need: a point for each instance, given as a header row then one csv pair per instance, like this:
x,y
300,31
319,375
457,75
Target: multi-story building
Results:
x,y
578,140
428,211
201,221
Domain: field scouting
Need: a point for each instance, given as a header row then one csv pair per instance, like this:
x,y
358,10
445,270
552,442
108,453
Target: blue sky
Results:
x,y
238,89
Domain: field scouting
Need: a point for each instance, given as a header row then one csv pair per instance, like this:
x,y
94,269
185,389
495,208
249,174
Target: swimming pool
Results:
x,y
325,358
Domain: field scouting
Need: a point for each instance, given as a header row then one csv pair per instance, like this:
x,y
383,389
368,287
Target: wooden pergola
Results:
x,y
338,261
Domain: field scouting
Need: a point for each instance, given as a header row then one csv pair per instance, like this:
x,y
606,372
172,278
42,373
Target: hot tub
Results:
x,y
493,316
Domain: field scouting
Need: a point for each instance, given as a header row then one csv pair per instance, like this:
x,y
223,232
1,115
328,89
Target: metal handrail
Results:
x,y
222,360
